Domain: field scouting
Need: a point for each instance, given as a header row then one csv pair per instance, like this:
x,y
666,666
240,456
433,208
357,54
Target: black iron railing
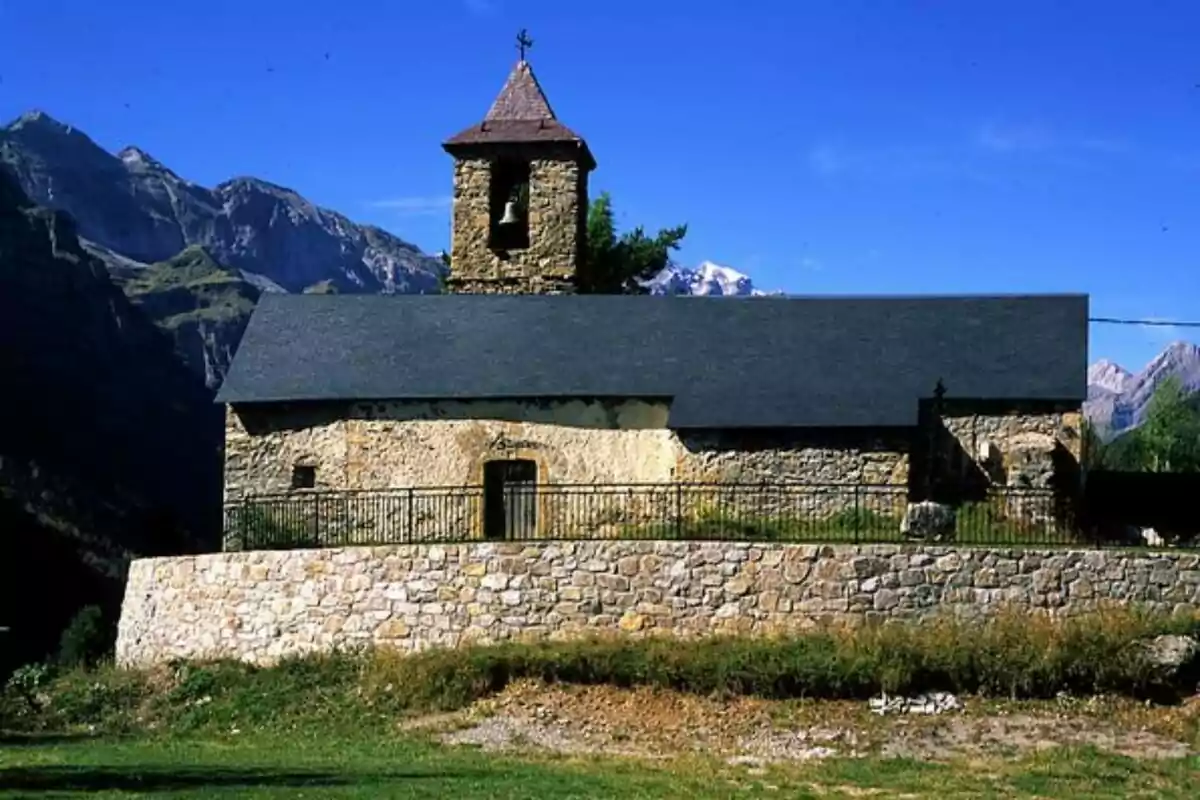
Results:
x,y
728,512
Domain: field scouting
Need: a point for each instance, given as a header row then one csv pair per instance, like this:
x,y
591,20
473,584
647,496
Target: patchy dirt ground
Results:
x,y
660,725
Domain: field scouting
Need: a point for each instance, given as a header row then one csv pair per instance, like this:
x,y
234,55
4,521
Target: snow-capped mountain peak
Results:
x,y
1109,375
707,279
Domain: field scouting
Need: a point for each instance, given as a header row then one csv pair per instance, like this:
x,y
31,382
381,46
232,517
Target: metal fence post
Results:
x,y
678,510
857,514
411,504
244,525
316,532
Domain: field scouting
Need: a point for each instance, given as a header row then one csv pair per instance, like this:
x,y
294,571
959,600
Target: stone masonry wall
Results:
x,y
1019,448
377,446
258,606
557,203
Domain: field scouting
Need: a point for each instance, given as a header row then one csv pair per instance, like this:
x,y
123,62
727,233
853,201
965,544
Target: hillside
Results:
x,y
201,304
111,445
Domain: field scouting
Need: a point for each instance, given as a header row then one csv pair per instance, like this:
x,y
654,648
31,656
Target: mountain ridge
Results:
x,y
136,206
1118,398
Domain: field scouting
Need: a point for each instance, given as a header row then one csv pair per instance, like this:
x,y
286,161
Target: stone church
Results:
x,y
513,376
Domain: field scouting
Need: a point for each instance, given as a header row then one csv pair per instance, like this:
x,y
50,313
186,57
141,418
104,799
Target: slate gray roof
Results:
x,y
724,362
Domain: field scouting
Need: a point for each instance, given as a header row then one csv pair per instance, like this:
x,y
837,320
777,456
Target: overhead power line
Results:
x,y
1160,323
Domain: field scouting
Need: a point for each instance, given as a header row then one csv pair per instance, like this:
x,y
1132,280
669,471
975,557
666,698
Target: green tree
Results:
x,y
617,264
86,639
1170,435
1096,452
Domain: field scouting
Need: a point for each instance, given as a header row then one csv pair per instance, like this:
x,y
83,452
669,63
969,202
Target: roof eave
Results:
x,y
467,141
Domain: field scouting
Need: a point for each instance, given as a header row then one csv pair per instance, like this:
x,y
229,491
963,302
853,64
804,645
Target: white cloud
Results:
x,y
902,162
1010,138
414,206
825,160
1103,145
1164,335
1034,138
480,8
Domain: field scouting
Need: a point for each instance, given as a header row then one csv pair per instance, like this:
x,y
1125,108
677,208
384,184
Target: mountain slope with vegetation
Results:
x,y
196,259
1119,400
110,446
201,304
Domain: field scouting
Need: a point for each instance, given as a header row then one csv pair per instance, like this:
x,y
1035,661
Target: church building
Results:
x,y
513,376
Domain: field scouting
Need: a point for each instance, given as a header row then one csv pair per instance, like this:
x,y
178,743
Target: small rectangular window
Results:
x,y
304,477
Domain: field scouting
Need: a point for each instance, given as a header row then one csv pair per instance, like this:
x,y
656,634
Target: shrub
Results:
x,y
24,691
86,640
1012,656
250,527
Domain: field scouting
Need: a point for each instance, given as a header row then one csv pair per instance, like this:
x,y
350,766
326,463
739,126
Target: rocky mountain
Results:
x,y
134,206
1106,377
707,279
195,259
1117,398
202,305
110,445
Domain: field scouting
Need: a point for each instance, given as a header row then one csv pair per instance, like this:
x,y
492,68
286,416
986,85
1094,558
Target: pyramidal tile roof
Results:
x,y
521,98
520,114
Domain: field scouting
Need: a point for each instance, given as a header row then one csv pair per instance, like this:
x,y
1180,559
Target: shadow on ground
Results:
x,y
160,779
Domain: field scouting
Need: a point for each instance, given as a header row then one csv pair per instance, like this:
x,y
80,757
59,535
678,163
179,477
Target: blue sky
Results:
x,y
822,146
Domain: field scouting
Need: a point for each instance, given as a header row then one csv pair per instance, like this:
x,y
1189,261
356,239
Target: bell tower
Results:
x,y
520,195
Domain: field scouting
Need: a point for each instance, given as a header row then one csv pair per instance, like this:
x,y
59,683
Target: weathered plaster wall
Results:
x,y
258,606
557,204
402,444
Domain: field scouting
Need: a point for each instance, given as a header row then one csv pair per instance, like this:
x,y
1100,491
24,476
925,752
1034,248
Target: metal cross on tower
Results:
x,y
524,43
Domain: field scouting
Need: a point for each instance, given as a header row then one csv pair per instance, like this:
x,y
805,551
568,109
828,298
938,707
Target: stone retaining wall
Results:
x,y
258,606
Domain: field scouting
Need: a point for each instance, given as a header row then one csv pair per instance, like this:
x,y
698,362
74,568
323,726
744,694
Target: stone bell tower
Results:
x,y
520,195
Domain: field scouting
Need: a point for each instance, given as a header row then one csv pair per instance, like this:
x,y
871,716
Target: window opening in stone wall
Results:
x,y
510,499
304,476
509,205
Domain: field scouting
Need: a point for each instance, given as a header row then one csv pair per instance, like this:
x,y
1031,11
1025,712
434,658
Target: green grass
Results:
x,y
190,287
340,764
977,523
327,725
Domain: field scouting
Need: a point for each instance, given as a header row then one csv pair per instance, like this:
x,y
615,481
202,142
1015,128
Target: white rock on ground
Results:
x,y
930,703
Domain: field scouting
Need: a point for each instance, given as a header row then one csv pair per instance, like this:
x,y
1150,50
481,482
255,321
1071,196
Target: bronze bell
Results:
x,y
510,214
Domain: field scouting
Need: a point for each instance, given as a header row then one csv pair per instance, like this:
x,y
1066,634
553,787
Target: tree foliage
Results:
x,y
618,264
1168,440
